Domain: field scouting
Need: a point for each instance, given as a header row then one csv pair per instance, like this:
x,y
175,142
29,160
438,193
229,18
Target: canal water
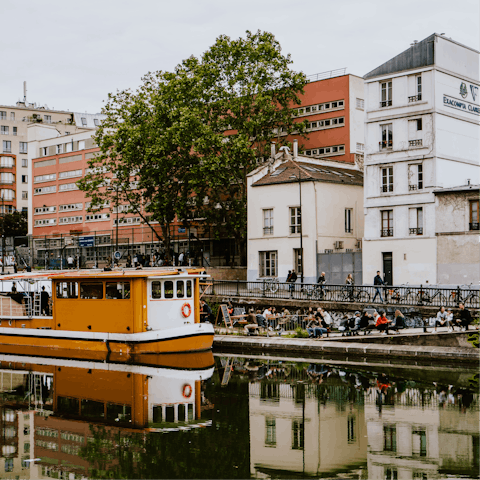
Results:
x,y
206,416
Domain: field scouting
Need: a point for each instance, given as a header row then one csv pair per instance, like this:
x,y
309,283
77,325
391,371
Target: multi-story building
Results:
x,y
333,106
15,170
299,205
421,135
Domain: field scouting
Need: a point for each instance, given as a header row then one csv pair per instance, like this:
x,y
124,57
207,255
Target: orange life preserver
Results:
x,y
187,390
186,310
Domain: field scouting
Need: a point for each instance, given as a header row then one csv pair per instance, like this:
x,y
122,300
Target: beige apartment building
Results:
x,y
15,171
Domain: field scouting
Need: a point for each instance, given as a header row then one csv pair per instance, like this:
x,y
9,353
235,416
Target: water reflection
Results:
x,y
178,417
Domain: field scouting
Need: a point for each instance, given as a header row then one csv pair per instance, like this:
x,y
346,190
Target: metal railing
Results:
x,y
328,74
366,294
415,98
415,143
416,231
385,144
474,226
386,232
386,103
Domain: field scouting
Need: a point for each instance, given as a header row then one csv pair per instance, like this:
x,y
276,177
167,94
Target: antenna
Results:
x,y
25,92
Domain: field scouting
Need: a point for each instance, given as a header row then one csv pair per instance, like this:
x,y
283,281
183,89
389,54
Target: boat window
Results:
x,y
91,290
170,413
92,409
117,290
68,405
189,288
67,289
180,289
119,413
157,414
156,289
181,412
168,285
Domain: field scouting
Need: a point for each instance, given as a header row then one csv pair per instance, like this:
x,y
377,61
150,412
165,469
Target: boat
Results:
x,y
122,313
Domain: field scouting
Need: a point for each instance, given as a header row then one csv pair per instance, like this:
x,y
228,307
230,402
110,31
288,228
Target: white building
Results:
x,y
329,193
421,134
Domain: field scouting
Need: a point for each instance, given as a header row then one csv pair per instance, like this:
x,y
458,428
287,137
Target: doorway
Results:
x,y
387,268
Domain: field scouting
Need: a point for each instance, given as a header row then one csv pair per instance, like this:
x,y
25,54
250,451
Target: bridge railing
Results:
x,y
269,288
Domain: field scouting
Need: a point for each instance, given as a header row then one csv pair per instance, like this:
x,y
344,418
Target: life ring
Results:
x,y
187,390
186,310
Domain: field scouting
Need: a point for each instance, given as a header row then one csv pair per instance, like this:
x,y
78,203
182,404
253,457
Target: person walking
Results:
x,y
378,281
291,279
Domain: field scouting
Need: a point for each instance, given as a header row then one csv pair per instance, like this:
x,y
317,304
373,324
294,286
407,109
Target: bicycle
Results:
x,y
353,294
269,285
470,300
317,292
424,297
408,296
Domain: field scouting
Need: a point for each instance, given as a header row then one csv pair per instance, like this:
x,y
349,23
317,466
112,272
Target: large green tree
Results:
x,y
181,146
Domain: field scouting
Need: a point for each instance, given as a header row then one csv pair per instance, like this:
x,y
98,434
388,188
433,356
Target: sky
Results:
x,y
74,53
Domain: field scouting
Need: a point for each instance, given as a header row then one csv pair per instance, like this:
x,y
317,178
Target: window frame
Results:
x,y
295,225
386,226
268,221
270,256
386,135
349,220
386,93
387,179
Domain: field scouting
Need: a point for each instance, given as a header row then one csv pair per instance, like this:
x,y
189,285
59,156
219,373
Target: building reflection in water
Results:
x,y
322,421
58,416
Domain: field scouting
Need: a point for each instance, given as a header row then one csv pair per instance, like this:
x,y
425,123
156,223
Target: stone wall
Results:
x,y
227,273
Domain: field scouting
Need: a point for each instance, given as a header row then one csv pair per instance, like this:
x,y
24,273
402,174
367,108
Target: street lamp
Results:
x,y
3,236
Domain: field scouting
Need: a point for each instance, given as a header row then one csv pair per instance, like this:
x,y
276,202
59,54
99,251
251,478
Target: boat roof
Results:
x,y
116,273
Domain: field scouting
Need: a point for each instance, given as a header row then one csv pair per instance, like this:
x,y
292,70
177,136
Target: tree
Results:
x,y
146,160
15,224
247,92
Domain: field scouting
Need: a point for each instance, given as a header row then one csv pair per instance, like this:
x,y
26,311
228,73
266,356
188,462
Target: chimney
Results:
x,y
295,148
272,150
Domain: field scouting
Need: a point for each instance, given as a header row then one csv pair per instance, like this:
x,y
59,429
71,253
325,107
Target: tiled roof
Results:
x,y
289,171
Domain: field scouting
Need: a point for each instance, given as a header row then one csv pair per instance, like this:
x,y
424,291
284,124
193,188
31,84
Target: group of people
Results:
x,y
445,317
319,323
368,322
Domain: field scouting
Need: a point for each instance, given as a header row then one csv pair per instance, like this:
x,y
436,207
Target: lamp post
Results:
x,y
3,236
301,235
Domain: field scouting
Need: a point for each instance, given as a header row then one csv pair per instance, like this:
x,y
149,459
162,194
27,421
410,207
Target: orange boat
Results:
x,y
123,313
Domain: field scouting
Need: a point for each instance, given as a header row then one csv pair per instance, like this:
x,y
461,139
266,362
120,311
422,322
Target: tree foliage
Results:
x,y
14,224
183,143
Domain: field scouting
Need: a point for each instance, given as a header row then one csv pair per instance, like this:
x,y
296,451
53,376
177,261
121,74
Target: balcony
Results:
x,y
268,230
386,188
474,226
415,98
416,231
386,232
387,103
415,143
387,145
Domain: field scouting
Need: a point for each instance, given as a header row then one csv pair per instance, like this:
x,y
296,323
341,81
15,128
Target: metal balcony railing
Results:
x,y
415,143
415,98
328,74
386,188
386,103
268,230
474,226
385,145
416,231
386,232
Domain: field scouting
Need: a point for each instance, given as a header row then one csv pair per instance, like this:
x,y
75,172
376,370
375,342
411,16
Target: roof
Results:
x,y
96,273
289,172
461,188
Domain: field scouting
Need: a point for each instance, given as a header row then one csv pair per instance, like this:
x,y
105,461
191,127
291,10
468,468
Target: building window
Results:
x,y
295,220
268,264
43,210
387,179
419,87
81,145
24,195
7,146
389,438
270,432
416,221
326,151
59,148
14,131
7,162
24,178
348,220
297,260
419,442
3,115
23,147
64,220
70,174
47,118
386,99
45,178
84,122
12,116
387,136
96,122
320,107
97,217
360,147
419,124
360,103
298,435
7,178
24,162
4,130
415,177
7,194
44,190
387,223
474,214
67,186
268,221
46,222
68,147
70,207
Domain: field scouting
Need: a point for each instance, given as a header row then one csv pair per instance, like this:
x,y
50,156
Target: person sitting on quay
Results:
x,y
354,323
465,318
322,329
365,323
382,323
261,320
441,318
449,321
252,326
399,321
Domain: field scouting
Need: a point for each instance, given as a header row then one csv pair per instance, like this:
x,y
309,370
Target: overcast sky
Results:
x,y
73,53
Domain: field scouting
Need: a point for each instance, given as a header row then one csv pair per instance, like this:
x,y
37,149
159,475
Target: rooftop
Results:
x,y
290,171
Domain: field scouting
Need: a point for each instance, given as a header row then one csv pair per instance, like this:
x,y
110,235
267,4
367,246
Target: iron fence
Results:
x,y
366,294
